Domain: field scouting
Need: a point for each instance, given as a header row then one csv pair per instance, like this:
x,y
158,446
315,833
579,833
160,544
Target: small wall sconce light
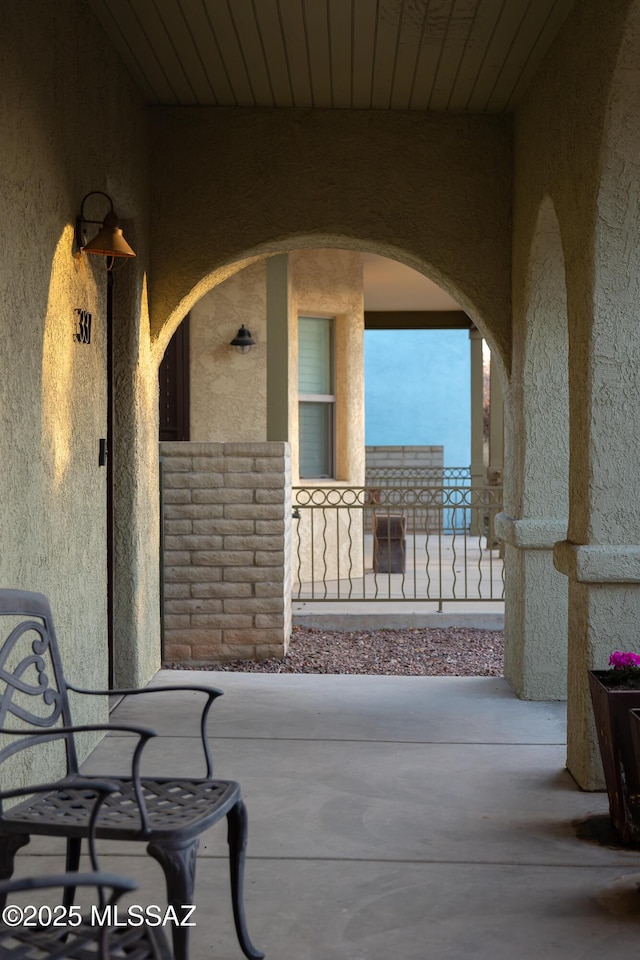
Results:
x,y
109,241
243,340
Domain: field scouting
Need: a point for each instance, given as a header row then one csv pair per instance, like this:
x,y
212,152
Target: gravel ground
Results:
x,y
426,652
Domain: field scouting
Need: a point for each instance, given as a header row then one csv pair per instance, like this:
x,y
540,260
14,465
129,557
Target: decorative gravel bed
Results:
x,y
427,652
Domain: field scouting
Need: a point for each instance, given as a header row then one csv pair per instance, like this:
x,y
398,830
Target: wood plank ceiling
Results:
x,y
446,55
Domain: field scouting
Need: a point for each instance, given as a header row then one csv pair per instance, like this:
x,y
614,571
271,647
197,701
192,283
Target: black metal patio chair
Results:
x,y
48,932
89,940
167,813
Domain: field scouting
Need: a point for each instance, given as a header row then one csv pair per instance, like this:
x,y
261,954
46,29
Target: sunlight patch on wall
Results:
x,y
58,349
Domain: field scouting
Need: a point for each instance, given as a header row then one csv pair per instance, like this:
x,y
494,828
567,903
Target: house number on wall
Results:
x,y
83,327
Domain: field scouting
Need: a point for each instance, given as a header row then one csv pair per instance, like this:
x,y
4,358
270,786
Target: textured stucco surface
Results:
x,y
329,283
599,563
537,467
575,148
270,181
229,186
229,389
62,137
530,533
136,491
535,620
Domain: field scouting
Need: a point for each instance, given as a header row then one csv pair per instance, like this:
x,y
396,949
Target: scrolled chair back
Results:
x,y
33,690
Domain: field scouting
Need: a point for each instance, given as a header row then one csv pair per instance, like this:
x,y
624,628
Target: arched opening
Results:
x,y
232,411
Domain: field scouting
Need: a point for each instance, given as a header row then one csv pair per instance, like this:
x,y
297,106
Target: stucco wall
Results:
x,y
418,386
575,125
538,466
558,154
433,191
136,492
327,543
63,135
229,389
328,283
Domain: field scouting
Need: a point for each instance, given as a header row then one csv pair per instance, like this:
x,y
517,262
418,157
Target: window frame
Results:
x,y
327,399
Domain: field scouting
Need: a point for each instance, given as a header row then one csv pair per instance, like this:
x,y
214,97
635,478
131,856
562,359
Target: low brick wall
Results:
x,y
227,550
389,458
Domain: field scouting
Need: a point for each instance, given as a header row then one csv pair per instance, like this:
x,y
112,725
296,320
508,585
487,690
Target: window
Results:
x,y
316,399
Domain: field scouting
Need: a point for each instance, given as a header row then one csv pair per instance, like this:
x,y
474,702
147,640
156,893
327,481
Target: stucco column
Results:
x,y
601,554
535,514
604,612
278,296
495,470
535,615
136,489
477,419
536,493
534,519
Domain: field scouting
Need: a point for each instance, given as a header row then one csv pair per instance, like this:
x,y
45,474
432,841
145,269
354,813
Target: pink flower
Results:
x,y
620,660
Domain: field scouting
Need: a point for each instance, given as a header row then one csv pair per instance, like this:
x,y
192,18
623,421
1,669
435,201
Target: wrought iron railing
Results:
x,y
450,476
395,542
420,477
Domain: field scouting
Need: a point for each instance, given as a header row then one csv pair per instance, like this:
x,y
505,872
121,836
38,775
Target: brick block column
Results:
x,y
227,550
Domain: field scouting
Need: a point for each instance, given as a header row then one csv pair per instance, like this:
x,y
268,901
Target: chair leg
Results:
x,y
9,846
74,846
237,838
178,861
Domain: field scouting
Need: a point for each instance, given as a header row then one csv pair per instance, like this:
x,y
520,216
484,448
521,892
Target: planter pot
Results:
x,y
621,767
634,721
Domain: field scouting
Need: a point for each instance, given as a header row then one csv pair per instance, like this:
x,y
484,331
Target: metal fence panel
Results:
x,y
400,541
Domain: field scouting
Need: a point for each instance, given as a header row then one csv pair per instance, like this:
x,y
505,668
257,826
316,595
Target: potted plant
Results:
x,y
614,693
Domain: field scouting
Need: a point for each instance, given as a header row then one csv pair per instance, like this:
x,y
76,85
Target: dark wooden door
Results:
x,y
174,386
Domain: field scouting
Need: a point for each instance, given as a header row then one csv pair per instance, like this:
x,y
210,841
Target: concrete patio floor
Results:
x,y
391,818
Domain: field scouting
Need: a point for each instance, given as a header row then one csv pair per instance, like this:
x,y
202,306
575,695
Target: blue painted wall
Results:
x,y
417,390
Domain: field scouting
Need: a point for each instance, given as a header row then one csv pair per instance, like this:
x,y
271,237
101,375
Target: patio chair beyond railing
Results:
x,y
167,813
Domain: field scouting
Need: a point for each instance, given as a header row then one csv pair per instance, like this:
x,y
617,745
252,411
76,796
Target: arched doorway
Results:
x,y
233,404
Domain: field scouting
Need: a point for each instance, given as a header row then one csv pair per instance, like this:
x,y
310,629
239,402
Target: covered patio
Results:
x,y
389,817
